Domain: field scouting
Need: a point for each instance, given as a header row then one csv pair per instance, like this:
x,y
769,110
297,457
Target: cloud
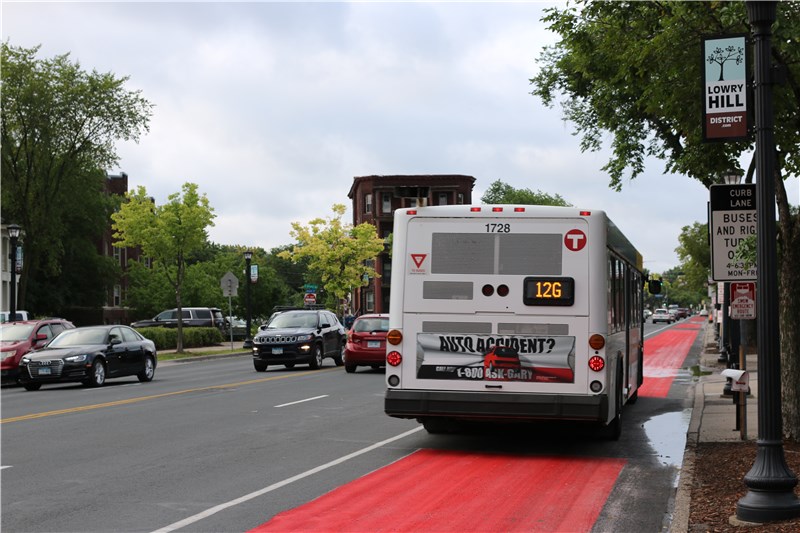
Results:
x,y
273,107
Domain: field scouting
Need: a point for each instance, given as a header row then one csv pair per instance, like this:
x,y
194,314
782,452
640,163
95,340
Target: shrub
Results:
x,y
167,338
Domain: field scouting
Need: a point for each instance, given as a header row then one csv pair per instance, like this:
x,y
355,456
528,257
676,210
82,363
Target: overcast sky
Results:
x,y
272,108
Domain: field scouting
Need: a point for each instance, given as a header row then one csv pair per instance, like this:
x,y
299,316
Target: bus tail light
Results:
x,y
394,358
394,337
596,363
597,342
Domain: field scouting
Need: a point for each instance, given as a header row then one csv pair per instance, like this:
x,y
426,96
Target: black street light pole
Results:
x,y
13,235
248,256
770,482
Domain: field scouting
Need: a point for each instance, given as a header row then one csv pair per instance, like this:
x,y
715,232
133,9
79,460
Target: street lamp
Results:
x,y
13,235
248,256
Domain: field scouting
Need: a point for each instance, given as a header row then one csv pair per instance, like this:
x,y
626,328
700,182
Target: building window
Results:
x,y
370,302
386,276
386,208
117,254
368,203
117,295
460,197
411,202
443,198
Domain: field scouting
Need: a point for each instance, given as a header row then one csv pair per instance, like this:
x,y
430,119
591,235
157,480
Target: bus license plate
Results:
x,y
277,351
44,371
373,344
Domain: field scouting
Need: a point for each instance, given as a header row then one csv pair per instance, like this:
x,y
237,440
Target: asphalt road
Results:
x,y
212,446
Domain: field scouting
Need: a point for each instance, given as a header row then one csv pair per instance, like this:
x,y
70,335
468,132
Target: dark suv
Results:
x,y
202,317
24,336
303,336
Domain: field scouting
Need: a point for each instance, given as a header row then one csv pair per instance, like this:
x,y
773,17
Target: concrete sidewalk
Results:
x,y
714,419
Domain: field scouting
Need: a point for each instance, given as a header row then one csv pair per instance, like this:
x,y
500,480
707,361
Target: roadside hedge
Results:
x,y
167,338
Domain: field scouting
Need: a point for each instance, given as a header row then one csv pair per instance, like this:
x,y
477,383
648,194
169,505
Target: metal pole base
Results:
x,y
770,496
762,506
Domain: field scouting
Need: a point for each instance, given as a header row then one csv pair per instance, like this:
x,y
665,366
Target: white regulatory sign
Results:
x,y
732,219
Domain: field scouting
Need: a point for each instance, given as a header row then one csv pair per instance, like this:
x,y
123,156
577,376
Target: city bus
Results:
x,y
513,313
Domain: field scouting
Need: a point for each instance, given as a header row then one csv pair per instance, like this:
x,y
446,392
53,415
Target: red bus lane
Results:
x,y
445,490
664,355
456,491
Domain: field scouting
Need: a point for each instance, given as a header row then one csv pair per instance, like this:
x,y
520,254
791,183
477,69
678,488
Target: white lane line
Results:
x,y
221,507
301,401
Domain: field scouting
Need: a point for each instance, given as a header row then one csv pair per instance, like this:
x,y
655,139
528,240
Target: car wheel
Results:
x,y
148,371
350,369
32,386
289,365
260,366
97,375
316,358
339,358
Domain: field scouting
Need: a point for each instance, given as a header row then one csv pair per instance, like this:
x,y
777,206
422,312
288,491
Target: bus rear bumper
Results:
x,y
495,405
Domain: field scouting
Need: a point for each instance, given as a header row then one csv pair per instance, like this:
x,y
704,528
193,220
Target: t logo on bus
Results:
x,y
575,240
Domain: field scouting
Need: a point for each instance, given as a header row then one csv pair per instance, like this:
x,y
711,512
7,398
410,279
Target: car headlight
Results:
x,y
75,358
24,360
303,338
7,355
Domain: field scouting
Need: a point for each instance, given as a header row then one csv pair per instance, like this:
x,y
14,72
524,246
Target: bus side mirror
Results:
x,y
654,286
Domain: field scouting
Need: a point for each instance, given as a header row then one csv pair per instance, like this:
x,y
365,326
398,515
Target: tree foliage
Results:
x,y
633,69
338,254
168,234
695,255
59,129
503,193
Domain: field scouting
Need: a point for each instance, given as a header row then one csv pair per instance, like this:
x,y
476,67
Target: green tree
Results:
x,y
695,256
59,129
632,69
338,254
168,234
503,193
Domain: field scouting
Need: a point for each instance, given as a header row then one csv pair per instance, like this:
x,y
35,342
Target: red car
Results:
x,y
366,342
24,336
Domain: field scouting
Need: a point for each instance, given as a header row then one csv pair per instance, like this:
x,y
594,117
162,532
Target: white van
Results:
x,y
21,315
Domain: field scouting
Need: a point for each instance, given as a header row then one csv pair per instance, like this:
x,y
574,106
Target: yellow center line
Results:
x,y
152,397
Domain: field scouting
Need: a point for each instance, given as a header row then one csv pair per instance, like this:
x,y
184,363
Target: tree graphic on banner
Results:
x,y
720,56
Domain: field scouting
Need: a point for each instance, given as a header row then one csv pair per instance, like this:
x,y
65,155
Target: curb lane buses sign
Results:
x,y
733,218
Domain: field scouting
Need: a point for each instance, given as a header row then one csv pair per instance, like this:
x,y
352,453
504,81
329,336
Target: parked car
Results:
x,y
237,326
647,314
366,342
201,317
19,338
662,315
303,336
90,355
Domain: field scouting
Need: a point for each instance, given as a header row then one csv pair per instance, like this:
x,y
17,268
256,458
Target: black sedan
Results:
x,y
90,355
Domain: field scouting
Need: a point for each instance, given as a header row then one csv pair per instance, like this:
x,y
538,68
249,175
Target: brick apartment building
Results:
x,y
114,312
374,200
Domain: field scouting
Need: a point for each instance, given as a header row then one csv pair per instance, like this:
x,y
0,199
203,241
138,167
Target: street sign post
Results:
x,y
229,284
732,219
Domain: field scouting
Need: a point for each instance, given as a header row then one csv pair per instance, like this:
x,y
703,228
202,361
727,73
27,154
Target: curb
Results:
x,y
193,358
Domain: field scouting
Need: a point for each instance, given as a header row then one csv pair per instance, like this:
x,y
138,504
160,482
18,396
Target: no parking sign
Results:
x,y
743,300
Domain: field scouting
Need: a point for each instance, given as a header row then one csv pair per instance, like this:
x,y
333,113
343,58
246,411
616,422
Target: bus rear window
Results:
x,y
493,253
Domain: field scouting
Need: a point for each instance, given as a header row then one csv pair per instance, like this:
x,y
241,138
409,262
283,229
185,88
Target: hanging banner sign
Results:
x,y
725,87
